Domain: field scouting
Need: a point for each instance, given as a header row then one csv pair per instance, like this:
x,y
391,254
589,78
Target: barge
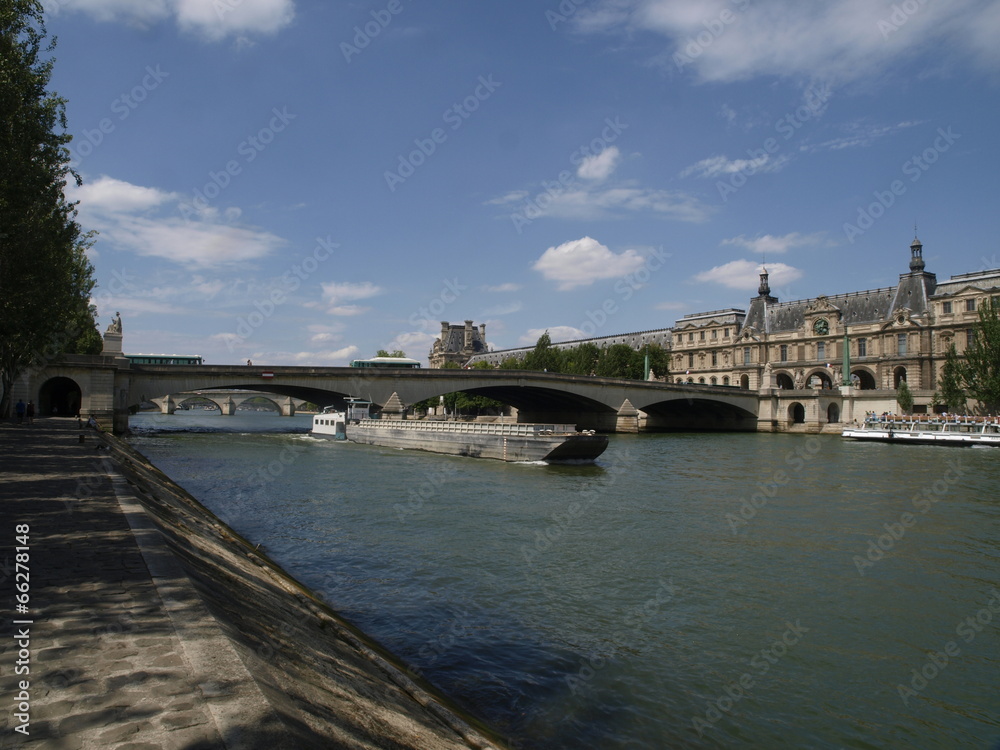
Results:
x,y
928,431
504,442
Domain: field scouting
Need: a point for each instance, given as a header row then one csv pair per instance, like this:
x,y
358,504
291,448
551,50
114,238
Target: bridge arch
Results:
x,y
699,413
59,395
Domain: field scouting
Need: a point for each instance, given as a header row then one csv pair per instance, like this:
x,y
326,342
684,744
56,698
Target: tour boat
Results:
x,y
925,430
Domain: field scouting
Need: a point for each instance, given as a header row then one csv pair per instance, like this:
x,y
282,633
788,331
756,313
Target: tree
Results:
x,y
396,354
904,397
580,360
952,394
980,372
543,356
45,276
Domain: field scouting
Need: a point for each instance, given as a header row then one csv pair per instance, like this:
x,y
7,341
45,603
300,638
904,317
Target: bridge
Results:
x,y
226,401
110,387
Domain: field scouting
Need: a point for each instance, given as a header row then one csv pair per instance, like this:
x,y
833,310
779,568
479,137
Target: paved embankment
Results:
x,y
153,625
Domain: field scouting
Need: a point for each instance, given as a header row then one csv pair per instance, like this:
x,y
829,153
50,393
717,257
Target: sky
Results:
x,y
298,182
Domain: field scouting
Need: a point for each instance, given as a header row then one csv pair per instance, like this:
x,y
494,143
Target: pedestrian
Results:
x,y
19,409
30,411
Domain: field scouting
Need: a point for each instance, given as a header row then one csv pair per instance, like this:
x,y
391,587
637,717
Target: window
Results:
x,y
690,360
862,347
701,335
946,308
714,381
970,336
901,343
725,380
746,355
970,305
725,333
691,336
715,360
821,350
783,353
715,333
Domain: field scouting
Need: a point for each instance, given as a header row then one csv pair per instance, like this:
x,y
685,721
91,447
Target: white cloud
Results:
x,y
841,40
671,306
584,261
348,291
585,203
714,166
556,334
508,309
598,167
508,287
210,19
106,195
337,357
768,244
745,274
126,216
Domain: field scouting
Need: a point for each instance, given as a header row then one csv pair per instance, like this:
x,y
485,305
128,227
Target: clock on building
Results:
x,y
821,327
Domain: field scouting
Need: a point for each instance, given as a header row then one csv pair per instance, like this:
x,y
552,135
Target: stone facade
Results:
x,y
895,333
457,344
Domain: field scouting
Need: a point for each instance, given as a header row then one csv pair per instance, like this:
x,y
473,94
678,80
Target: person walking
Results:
x,y
30,412
19,409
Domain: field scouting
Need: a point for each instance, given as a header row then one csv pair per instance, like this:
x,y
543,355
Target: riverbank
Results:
x,y
152,624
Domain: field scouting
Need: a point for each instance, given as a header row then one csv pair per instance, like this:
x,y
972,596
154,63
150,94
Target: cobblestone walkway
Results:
x,y
122,653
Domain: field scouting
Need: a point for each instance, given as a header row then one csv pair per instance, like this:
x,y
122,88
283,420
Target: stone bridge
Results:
x,y
227,401
109,387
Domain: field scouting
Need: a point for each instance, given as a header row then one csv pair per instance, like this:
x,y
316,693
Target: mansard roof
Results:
x,y
986,281
454,340
853,308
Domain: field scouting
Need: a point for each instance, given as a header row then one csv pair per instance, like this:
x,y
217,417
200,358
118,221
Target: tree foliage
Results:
x,y
396,354
951,393
980,371
615,361
45,276
904,397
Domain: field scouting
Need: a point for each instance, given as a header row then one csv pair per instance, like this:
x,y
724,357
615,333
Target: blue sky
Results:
x,y
305,182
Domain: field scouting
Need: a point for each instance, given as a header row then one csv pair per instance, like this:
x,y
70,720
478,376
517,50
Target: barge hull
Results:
x,y
500,447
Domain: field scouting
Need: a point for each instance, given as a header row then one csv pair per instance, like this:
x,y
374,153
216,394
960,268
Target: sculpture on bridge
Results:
x,y
115,326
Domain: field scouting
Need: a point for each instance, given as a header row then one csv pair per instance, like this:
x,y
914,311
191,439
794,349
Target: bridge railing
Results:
x,y
479,428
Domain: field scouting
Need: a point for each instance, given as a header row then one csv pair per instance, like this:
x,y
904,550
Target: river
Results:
x,y
688,590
